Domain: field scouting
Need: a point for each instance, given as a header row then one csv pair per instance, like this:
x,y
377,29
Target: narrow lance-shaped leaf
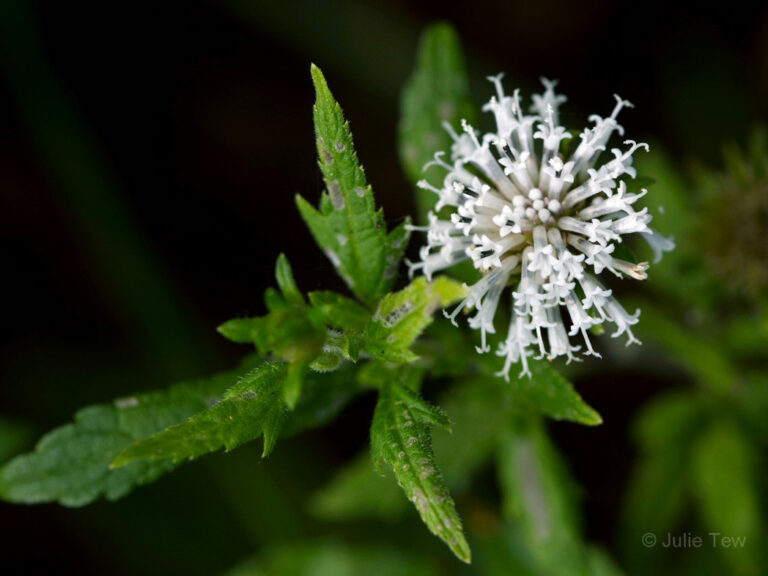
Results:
x,y
726,481
284,276
481,408
401,317
254,406
347,226
400,438
437,93
538,495
664,431
71,464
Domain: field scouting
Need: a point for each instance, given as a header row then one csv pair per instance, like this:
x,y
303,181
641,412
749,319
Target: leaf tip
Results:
x,y
462,550
119,461
593,418
318,79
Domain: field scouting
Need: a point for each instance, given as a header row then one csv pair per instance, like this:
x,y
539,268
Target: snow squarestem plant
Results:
x,y
531,205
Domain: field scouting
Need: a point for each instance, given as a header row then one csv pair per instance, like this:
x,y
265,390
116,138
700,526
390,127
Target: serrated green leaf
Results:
x,y
538,495
71,464
400,438
402,316
553,395
436,93
334,559
252,407
347,226
725,480
479,410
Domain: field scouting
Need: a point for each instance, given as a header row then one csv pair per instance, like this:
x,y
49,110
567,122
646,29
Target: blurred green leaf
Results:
x,y
252,407
538,495
436,93
401,317
348,227
695,350
725,480
70,465
479,409
284,276
672,204
664,430
334,559
155,315
502,552
358,492
669,197
400,438
599,563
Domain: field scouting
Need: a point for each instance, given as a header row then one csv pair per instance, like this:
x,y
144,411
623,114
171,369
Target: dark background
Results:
x,y
149,156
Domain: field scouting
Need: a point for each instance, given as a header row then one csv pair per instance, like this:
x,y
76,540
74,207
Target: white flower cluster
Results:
x,y
522,210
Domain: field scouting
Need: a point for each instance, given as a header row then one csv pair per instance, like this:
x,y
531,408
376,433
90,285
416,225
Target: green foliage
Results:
x,y
317,351
284,276
322,399
401,317
553,396
250,408
358,492
70,465
299,333
664,430
400,438
480,408
348,227
697,352
538,497
725,482
339,311
436,93
334,558
292,330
